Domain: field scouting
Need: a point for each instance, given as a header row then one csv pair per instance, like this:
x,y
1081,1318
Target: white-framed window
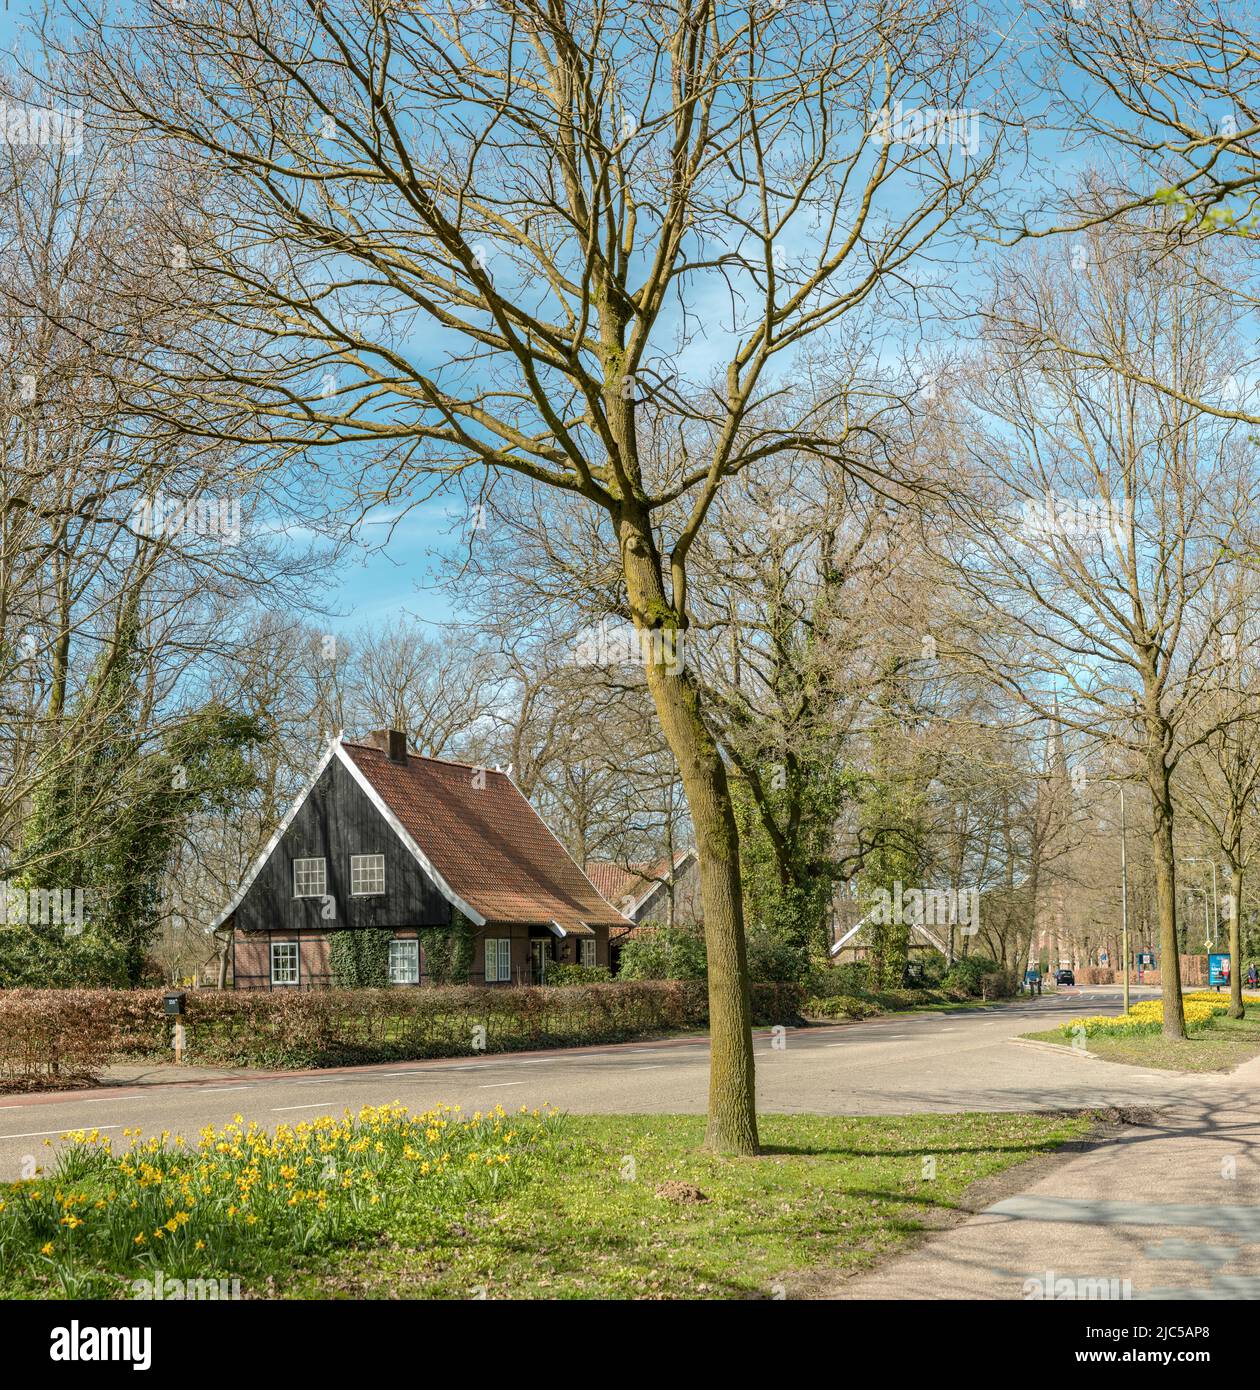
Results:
x,y
498,960
367,875
284,962
586,950
310,880
404,962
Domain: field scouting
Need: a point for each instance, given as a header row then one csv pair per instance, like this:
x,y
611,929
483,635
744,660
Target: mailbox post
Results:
x,y
175,1003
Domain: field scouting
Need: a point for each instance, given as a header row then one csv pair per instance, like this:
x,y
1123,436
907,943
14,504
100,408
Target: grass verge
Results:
x,y
642,1212
621,1206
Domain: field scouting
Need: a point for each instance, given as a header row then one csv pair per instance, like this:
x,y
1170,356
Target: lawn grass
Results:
x,y
1226,1044
622,1215
621,1206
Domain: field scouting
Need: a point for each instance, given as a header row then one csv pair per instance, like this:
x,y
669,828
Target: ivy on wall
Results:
x,y
359,957
448,951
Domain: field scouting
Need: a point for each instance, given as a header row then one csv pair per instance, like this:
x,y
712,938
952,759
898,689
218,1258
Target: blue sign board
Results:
x,y
1218,969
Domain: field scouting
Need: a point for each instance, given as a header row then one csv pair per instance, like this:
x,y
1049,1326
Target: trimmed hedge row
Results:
x,y
52,1038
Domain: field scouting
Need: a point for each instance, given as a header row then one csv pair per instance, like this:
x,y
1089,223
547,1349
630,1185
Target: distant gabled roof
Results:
x,y
483,841
629,886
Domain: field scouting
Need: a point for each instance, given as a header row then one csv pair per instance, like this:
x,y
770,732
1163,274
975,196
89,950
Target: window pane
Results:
x,y
404,962
284,962
498,959
367,874
308,878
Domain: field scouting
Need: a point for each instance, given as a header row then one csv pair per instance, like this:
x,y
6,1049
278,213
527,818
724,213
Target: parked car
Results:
x,y
1064,977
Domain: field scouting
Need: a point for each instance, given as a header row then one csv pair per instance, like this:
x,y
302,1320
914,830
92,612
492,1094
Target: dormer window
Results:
x,y
310,879
367,875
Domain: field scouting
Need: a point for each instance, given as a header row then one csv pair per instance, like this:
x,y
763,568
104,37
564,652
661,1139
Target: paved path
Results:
x,y
925,1062
1165,1209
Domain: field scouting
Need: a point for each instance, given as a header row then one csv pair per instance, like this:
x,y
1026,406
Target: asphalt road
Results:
x,y
925,1062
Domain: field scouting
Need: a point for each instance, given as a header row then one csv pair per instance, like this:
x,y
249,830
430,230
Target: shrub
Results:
x,y
664,953
935,967
562,973
998,984
65,1037
39,957
967,974
842,1006
55,1038
854,977
773,960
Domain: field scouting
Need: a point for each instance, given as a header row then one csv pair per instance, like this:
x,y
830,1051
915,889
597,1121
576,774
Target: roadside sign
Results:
x,y
1218,968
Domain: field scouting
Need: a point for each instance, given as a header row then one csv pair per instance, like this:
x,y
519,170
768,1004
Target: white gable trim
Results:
x,y
270,848
839,945
335,749
413,849
633,907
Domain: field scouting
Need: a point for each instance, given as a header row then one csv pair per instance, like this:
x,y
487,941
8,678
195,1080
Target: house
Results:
x,y
649,893
381,837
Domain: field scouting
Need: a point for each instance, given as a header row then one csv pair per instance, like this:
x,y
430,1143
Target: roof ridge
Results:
x,y
425,757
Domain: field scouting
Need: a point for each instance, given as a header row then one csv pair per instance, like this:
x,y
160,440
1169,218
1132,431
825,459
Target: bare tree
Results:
x,y
1108,514
560,199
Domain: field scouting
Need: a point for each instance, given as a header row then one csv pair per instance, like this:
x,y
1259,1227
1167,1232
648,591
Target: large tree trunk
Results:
x,y
732,1126
1165,894
1235,936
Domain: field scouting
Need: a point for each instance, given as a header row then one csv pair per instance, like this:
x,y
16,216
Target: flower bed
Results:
x,y
1147,1016
167,1213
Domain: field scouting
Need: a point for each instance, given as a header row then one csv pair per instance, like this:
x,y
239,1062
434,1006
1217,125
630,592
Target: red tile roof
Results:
x,y
627,885
489,844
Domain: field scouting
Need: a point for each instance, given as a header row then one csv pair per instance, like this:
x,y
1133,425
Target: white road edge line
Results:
x,y
65,1129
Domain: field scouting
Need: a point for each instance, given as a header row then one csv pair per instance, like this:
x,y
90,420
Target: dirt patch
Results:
x,y
685,1193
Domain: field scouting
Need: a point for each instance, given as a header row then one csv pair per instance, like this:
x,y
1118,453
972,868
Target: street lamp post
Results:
x,y
1216,916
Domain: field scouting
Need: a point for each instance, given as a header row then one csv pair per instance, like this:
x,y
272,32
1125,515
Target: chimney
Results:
x,y
391,742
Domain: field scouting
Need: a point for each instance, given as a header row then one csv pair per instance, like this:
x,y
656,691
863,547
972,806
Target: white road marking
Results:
x,y
499,1085
276,1110
65,1129
207,1089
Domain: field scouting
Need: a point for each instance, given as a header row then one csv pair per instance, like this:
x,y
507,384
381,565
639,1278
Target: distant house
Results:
x,y
381,837
648,893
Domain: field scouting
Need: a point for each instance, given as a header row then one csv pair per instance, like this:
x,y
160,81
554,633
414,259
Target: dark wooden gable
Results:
x,y
337,820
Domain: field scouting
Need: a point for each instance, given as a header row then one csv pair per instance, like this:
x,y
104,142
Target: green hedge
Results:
x,y
59,1037
563,973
